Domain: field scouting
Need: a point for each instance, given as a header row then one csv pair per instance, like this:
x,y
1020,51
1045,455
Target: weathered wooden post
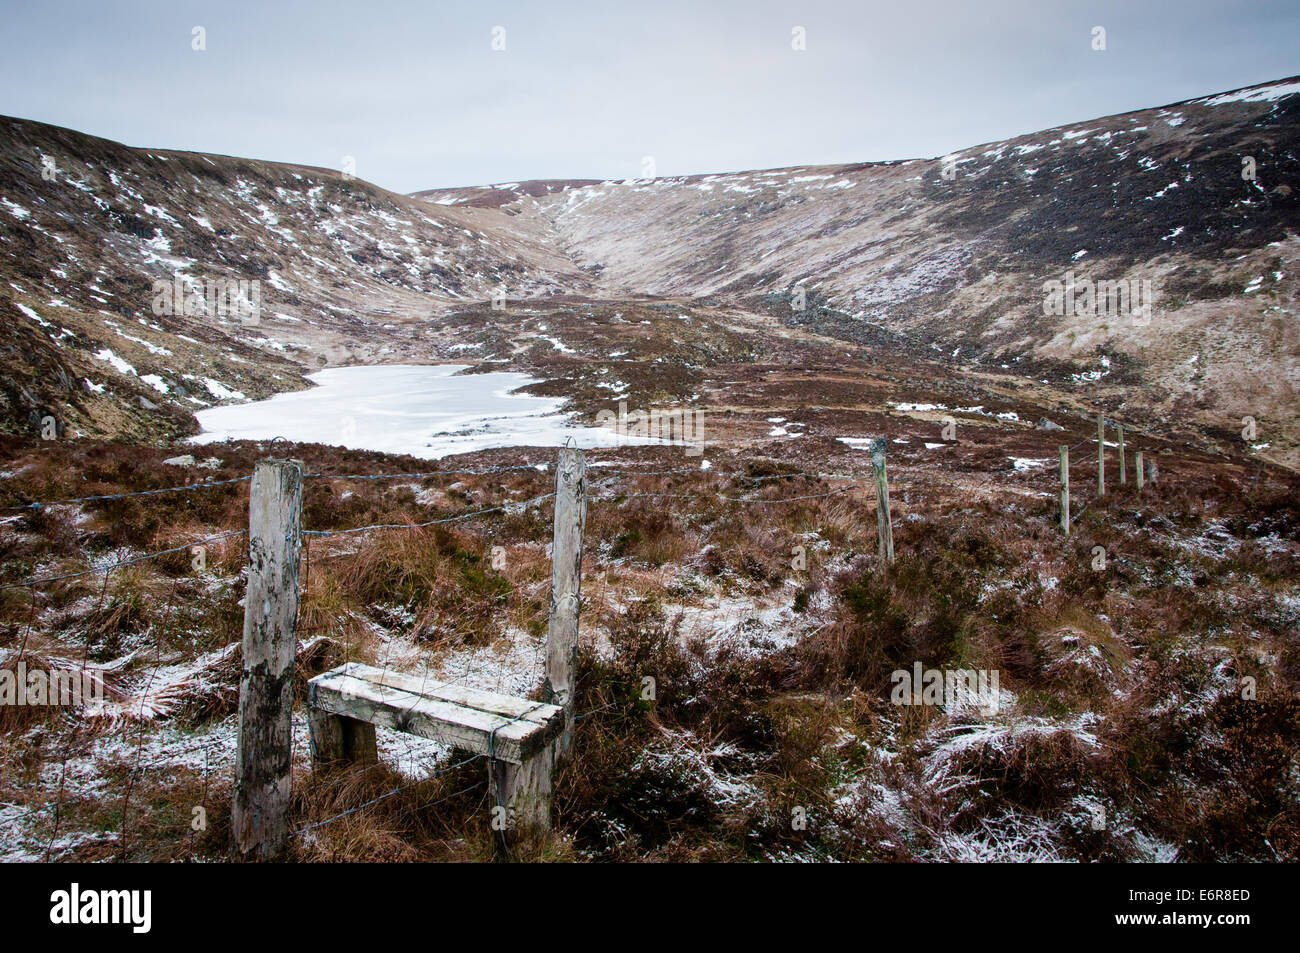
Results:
x,y
1137,468
335,738
1101,455
1065,489
1153,472
521,800
884,524
1123,467
566,588
259,823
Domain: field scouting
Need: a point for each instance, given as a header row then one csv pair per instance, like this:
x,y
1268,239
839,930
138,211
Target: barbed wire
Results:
x,y
125,562
790,476
169,761
594,711
1084,512
537,468
732,499
438,522
720,474
383,797
442,800
790,499
596,465
125,496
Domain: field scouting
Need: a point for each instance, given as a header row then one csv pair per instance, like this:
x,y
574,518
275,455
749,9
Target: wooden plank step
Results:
x,y
500,726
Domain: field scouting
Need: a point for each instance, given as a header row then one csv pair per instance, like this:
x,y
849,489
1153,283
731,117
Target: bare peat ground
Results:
x,y
1123,729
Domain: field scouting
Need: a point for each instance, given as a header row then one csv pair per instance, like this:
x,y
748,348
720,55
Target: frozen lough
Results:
x,y
423,410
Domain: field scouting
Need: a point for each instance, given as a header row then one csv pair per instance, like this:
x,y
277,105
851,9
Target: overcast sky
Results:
x,y
415,92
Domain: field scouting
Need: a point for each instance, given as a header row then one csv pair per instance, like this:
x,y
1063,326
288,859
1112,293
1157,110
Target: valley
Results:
x,y
801,312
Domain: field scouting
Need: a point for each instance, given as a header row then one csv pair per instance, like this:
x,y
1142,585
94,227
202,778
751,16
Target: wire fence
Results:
x,y
185,547
522,504
425,474
126,496
442,772
598,472
607,480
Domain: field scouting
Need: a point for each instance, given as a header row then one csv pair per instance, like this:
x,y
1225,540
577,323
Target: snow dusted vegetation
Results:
x,y
741,634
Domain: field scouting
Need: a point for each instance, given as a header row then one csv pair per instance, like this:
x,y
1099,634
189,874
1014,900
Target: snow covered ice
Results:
x,y
428,411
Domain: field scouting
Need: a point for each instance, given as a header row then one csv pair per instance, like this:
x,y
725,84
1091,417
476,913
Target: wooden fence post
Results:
x,y
884,524
1123,467
1065,489
259,823
1101,455
1137,468
566,589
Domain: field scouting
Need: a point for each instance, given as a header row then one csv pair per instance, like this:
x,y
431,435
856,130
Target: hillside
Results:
x,y
347,271
943,257
958,264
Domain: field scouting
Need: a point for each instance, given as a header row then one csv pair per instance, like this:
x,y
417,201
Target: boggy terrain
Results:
x,y
1147,701
1147,662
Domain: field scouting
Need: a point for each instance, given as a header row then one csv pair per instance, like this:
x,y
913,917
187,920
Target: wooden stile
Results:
x,y
522,740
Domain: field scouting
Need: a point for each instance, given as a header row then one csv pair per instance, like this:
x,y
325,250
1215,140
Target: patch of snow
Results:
x,y
1257,95
106,354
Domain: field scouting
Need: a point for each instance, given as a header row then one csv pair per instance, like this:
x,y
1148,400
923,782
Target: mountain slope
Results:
x,y
347,272
955,253
948,259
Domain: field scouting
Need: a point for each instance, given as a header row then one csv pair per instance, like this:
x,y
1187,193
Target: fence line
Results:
x,y
735,499
125,562
424,474
127,496
538,468
595,472
449,519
